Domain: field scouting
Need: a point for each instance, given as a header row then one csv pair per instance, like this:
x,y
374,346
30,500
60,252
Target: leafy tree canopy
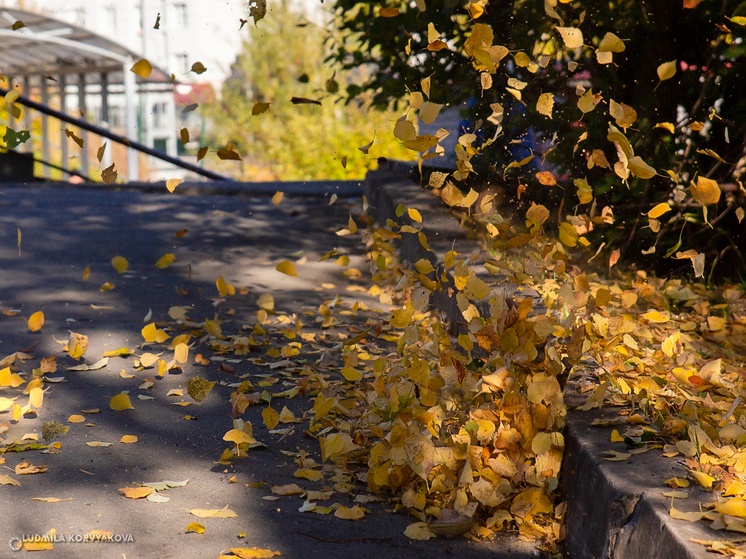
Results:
x,y
626,104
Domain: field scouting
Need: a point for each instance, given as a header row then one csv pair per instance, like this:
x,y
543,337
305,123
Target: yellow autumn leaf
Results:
x,y
253,553
108,286
271,418
571,36
148,359
136,492
142,68
659,210
611,43
86,273
120,264
171,184
121,402
76,419
419,531
77,345
688,516
640,169
238,436
224,288
286,267
36,397
259,108
310,475
667,70
213,513
181,353
705,191
165,261
351,374
148,332
545,104
701,478
195,527
354,513
655,316
128,439
36,321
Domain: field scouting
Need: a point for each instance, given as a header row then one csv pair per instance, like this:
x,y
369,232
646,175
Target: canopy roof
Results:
x,y
48,46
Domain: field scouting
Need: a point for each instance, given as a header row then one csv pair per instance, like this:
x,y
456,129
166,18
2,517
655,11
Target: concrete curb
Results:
x,y
615,510
309,189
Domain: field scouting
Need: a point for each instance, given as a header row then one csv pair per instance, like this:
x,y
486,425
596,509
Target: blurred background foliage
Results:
x,y
703,104
284,57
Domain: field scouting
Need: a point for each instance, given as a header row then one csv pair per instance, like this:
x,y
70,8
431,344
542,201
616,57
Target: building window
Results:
x,y
182,63
160,144
180,12
159,115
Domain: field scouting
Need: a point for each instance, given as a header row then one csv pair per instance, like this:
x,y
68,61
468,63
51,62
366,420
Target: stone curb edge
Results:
x,y
609,515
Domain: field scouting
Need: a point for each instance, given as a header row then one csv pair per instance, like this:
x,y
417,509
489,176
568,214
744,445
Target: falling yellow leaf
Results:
x,y
77,345
109,175
86,273
659,210
277,198
36,397
20,236
171,184
181,353
287,268
705,191
545,104
128,439
571,36
165,261
666,71
142,68
120,264
224,288
36,321
259,108
108,286
121,402
198,68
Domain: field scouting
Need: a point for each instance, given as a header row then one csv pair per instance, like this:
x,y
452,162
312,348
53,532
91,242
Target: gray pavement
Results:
x,y
66,229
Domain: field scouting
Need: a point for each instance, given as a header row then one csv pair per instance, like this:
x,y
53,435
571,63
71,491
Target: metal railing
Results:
x,y
123,140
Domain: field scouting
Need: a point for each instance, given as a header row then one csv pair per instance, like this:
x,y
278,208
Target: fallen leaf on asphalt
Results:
x,y
50,499
76,419
98,444
128,439
24,468
346,513
616,456
136,492
214,513
7,480
195,527
291,489
171,184
120,264
100,364
310,475
419,531
251,553
121,402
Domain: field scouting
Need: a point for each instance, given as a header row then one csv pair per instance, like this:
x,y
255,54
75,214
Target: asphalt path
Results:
x,y
66,229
